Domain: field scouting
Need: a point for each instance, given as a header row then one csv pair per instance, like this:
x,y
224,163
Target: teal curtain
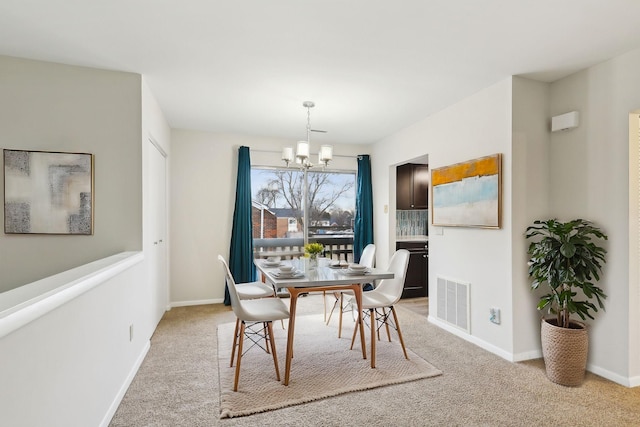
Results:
x,y
241,250
363,228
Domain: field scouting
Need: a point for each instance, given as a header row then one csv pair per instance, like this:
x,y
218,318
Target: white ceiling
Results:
x,y
371,66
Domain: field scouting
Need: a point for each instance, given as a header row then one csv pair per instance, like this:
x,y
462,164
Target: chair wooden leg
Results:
x,y
235,342
373,337
266,338
340,318
395,319
237,377
386,324
273,348
324,305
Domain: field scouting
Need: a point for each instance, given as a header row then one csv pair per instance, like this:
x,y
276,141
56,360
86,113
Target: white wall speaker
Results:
x,y
565,121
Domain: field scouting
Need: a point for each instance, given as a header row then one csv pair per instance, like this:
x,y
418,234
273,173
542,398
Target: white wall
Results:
x,y
72,365
530,183
477,126
53,107
204,170
634,243
589,178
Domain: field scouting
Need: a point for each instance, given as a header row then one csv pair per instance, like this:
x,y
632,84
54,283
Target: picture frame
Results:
x,y
468,194
48,192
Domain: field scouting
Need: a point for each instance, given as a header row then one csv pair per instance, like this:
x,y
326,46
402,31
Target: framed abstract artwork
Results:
x,y
48,192
468,194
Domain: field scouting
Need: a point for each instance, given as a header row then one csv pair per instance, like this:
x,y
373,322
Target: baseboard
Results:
x,y
612,376
536,354
197,302
125,386
474,340
527,355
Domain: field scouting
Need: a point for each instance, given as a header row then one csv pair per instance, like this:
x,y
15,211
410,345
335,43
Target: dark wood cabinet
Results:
x,y
412,186
404,187
417,277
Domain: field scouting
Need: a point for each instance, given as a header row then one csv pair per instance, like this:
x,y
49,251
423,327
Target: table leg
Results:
x,y
357,290
293,292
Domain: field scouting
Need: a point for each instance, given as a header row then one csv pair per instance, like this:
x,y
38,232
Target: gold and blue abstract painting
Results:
x,y
467,194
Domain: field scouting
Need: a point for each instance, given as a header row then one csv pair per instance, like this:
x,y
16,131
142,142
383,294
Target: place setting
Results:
x,y
287,272
356,270
339,264
272,261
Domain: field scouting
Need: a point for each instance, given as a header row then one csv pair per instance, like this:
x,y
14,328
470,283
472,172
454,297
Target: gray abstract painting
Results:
x,y
48,192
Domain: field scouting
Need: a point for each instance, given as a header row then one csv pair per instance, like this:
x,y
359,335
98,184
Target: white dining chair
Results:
x,y
368,259
386,294
263,312
249,290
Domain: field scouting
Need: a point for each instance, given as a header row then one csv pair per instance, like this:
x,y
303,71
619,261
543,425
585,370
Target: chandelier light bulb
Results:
x,y
302,152
287,154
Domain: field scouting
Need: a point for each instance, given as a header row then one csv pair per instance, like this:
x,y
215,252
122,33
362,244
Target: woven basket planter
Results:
x,y
565,351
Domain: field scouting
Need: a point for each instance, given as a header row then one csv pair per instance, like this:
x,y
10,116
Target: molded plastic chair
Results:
x,y
368,259
249,290
385,295
252,312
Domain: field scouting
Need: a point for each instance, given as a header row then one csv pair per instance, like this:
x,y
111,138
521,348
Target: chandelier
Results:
x,y
302,155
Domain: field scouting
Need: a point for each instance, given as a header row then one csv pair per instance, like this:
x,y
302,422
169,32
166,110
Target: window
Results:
x,y
277,196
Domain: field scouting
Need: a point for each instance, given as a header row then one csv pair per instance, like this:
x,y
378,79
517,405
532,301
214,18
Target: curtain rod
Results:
x,y
279,152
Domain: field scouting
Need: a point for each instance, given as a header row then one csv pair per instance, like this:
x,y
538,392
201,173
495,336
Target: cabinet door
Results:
x,y
420,186
404,183
415,283
416,280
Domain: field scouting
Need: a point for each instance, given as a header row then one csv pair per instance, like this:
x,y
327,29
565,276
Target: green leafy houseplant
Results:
x,y
565,257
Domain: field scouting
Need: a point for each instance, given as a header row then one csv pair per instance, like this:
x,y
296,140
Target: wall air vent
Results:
x,y
453,303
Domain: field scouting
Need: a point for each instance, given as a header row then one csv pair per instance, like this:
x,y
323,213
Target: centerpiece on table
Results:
x,y
311,251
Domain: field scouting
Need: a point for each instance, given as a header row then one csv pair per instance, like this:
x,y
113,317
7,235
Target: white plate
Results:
x,y
272,264
288,274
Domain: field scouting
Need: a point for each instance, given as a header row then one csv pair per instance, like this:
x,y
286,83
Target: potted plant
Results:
x,y
565,258
311,251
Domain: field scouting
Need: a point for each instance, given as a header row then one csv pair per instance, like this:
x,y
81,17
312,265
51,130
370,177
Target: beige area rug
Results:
x,y
322,366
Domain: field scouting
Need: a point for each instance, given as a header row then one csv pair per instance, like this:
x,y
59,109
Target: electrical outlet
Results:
x,y
131,332
494,315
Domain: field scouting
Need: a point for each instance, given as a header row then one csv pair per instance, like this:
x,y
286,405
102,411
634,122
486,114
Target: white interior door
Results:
x,y
157,226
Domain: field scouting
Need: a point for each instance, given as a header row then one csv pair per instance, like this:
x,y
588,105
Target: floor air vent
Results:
x,y
453,302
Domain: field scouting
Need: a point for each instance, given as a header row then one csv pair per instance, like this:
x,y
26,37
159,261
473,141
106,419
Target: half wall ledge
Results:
x,y
23,305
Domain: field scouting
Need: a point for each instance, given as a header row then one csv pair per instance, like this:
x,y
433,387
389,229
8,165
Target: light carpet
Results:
x,y
323,366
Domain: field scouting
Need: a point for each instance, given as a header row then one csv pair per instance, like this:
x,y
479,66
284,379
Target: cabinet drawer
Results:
x,y
412,246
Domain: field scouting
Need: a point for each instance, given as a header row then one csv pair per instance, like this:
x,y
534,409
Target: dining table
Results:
x,y
321,278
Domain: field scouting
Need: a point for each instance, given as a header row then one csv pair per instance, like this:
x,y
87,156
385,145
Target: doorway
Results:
x,y
411,225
